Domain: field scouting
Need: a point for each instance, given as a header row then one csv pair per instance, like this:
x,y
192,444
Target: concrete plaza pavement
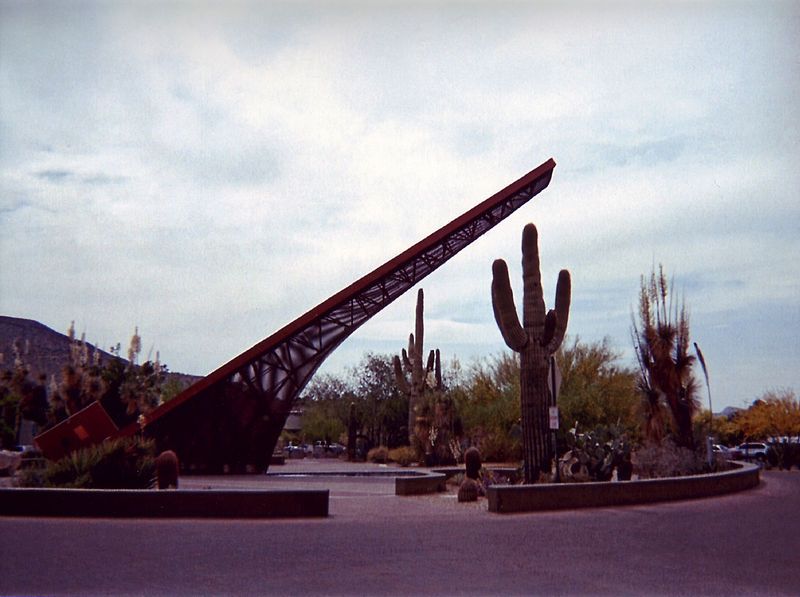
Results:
x,y
376,543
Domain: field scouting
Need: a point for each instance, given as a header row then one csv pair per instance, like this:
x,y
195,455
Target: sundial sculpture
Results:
x,y
232,418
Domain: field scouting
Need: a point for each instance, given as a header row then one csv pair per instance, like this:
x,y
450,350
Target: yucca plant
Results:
x,y
661,341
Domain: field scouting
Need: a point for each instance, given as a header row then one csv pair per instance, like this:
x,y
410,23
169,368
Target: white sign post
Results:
x,y
554,418
555,385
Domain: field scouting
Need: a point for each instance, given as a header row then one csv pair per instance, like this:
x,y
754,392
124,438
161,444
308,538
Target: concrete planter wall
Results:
x,y
420,483
133,503
532,498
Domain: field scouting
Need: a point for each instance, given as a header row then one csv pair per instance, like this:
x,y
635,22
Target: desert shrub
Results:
x,y
379,454
784,455
666,459
404,455
126,463
595,388
499,447
487,401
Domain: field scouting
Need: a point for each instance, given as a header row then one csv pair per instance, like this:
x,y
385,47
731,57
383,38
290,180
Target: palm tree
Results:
x,y
661,341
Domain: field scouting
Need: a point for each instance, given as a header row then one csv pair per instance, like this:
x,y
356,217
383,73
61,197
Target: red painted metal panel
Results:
x,y
90,425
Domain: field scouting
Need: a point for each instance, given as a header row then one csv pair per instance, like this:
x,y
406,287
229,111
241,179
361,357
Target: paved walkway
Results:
x,y
375,543
351,495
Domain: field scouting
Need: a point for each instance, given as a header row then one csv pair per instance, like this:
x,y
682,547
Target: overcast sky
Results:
x,y
211,171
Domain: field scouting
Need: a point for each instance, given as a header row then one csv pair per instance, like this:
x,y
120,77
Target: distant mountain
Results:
x,y
45,351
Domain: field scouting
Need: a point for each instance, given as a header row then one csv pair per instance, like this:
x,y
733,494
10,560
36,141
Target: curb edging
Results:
x,y
534,498
144,503
420,484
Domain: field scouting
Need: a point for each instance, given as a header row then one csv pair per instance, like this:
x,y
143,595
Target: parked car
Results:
x,y
724,451
735,453
753,450
294,450
336,449
322,449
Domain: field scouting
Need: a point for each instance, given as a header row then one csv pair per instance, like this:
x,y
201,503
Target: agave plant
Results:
x,y
125,463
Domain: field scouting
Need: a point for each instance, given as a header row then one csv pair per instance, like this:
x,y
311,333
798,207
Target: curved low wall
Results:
x,y
560,496
135,503
420,483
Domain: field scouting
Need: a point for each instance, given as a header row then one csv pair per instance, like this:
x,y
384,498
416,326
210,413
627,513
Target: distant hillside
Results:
x,y
45,351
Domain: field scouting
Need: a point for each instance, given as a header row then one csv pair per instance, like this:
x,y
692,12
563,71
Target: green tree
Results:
x,y
325,403
487,400
20,398
380,406
322,422
726,430
775,414
126,390
171,388
595,390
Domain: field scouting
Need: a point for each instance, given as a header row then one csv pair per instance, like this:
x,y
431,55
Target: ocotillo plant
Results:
x,y
414,386
535,340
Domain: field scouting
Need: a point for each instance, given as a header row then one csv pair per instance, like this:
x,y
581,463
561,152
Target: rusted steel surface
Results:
x,y
90,425
253,393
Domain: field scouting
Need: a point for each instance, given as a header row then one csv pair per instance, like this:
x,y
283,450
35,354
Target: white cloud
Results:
x,y
211,174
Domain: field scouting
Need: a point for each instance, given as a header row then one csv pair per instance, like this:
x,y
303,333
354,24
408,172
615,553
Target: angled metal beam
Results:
x,y
276,370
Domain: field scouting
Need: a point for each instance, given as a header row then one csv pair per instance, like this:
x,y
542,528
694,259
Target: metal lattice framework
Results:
x,y
277,369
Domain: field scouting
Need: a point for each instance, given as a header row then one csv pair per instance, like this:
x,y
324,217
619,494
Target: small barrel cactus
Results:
x,y
167,470
468,491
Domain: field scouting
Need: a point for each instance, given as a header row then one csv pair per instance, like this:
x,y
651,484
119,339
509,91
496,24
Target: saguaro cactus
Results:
x,y
535,340
418,376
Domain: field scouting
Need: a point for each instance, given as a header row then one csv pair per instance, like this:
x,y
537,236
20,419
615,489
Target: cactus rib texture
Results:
x,y
536,339
411,363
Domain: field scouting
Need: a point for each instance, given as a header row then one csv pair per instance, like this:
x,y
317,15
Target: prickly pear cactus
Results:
x,y
535,340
